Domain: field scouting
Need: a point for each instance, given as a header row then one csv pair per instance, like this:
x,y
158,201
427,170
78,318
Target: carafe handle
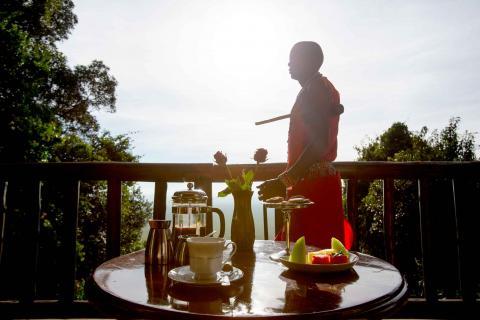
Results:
x,y
221,216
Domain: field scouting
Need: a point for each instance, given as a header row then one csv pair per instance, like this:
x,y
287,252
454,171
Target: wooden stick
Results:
x,y
285,116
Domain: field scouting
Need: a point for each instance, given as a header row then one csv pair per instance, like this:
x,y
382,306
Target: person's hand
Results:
x,y
271,188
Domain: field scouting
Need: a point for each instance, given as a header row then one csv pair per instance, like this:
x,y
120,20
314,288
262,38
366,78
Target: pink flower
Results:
x,y
220,158
243,182
260,155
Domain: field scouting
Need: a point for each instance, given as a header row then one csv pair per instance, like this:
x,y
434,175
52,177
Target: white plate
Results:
x,y
319,268
186,276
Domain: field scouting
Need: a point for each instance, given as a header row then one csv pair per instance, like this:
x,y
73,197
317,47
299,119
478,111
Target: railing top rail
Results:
x,y
410,169
179,172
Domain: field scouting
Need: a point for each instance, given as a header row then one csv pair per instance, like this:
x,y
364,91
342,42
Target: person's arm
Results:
x,y
277,186
316,118
311,153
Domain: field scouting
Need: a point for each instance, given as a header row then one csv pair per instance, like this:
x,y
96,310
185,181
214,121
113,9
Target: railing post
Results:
x,y
425,236
114,216
388,220
352,207
278,222
265,222
32,231
206,185
3,217
463,194
279,218
70,220
160,200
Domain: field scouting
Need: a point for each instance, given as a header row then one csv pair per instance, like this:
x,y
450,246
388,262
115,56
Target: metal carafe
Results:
x,y
190,209
181,256
159,249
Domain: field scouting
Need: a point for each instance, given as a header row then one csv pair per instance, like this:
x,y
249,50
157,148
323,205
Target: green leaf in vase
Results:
x,y
248,179
225,192
233,184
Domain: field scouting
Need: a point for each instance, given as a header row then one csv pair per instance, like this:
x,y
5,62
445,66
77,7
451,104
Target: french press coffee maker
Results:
x,y
189,210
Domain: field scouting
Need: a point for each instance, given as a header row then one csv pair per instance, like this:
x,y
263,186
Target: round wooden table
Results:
x,y
373,288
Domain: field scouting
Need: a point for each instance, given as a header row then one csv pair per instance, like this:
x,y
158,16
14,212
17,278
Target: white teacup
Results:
x,y
206,256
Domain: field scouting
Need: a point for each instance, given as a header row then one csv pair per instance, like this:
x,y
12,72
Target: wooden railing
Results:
x,y
203,175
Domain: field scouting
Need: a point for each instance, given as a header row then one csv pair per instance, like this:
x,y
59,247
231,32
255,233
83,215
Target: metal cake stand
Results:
x,y
286,207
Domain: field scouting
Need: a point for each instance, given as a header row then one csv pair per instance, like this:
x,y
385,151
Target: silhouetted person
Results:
x,y
312,146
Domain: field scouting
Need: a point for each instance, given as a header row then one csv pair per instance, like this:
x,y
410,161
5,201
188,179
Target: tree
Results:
x,y
46,115
42,98
398,143
383,148
91,235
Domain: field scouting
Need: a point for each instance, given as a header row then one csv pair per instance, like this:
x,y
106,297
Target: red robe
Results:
x,y
316,106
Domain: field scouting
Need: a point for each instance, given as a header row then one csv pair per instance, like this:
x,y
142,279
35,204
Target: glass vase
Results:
x,y
243,227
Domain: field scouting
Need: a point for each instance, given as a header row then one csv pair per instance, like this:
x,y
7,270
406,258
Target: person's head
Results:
x,y
306,58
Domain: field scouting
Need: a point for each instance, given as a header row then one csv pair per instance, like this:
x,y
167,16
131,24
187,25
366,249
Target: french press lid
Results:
x,y
190,196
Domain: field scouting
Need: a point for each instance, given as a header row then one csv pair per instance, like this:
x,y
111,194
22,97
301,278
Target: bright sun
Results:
x,y
237,40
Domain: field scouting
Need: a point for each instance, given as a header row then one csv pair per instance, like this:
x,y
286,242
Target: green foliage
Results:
x,y
398,143
46,115
41,97
243,183
93,198
135,211
46,20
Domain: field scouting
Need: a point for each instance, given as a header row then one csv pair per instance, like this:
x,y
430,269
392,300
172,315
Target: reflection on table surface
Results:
x,y
267,288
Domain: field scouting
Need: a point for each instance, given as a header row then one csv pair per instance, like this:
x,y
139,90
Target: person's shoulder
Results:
x,y
321,83
317,88
322,92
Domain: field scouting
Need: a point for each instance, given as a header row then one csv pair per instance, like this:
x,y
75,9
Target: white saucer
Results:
x,y
184,275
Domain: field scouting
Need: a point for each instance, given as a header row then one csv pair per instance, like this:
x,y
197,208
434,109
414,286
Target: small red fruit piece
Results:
x,y
321,259
339,258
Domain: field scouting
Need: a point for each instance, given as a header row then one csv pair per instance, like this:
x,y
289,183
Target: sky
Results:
x,y
194,76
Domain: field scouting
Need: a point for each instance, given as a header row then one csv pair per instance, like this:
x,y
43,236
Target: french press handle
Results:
x,y
221,216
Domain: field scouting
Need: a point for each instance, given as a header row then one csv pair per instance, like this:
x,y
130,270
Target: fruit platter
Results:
x,y
334,259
